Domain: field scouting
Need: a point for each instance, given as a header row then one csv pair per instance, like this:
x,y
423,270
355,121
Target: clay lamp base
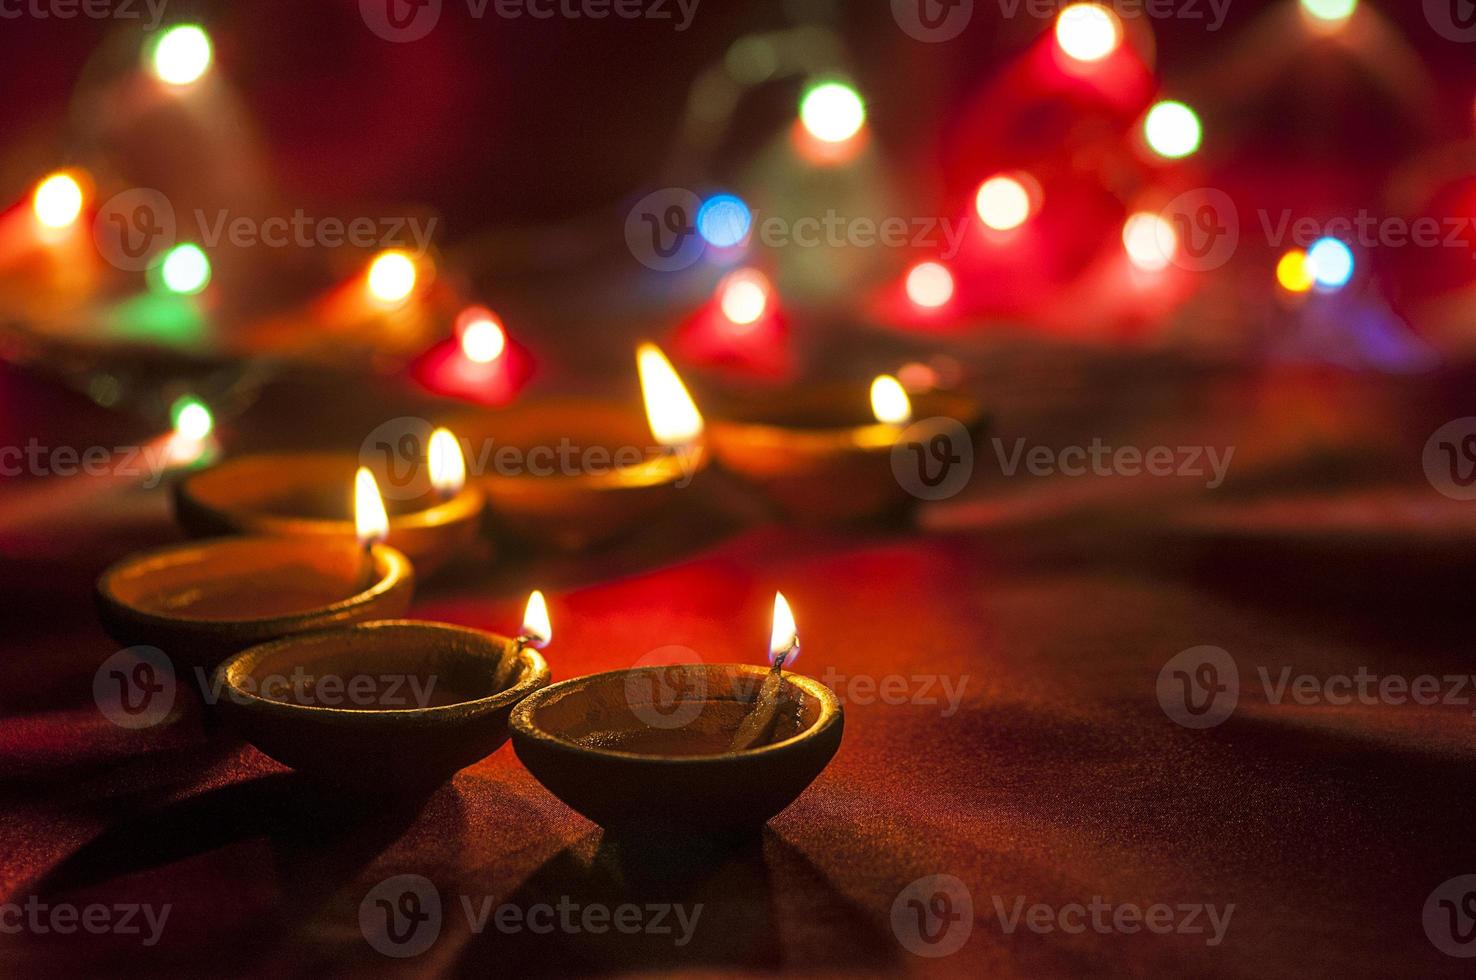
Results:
x,y
619,478
385,708
811,456
310,495
203,601
612,748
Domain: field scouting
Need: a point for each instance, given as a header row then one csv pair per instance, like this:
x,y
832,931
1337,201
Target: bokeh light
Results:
x,y
724,220
744,296
1150,241
930,284
1331,263
1002,203
185,269
1294,272
181,55
483,338
832,112
1172,130
1088,31
391,276
57,201
1333,11
192,419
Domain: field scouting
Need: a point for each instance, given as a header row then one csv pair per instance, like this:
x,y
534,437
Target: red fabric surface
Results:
x,y
1054,601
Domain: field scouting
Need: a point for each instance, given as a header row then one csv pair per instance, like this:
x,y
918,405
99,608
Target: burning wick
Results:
x,y
784,646
370,520
537,632
447,464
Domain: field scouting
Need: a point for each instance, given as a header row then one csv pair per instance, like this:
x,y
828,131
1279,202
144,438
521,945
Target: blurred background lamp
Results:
x,y
181,55
832,112
391,276
185,269
1172,130
1150,241
192,420
930,284
483,338
1330,10
1331,263
57,201
1002,203
744,296
724,220
1088,31
1294,272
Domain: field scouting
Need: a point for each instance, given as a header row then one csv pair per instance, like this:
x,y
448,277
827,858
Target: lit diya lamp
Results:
x,y
573,473
694,748
810,454
202,601
384,708
302,495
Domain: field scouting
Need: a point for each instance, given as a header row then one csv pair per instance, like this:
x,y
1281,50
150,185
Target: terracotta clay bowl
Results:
x,y
812,455
200,602
533,500
304,495
646,750
384,708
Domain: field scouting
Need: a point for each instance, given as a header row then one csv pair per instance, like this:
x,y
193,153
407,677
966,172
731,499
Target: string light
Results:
x,y
1330,11
724,220
391,276
1088,32
185,269
57,201
1172,130
1331,263
182,55
1002,203
1294,272
192,419
744,296
1150,241
930,285
483,338
832,112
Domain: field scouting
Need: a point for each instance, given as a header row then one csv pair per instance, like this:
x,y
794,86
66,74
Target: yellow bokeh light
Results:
x,y
1002,203
1088,31
182,55
1294,273
930,284
391,276
744,296
1151,242
58,200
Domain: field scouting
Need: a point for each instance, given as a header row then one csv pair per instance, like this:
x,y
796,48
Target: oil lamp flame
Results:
x,y
784,640
370,519
537,629
447,464
672,414
889,402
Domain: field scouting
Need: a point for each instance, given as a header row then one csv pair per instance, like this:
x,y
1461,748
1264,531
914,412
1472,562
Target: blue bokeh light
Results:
x,y
1331,263
724,220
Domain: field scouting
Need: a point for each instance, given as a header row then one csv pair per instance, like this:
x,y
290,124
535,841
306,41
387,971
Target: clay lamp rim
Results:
x,y
533,670
797,434
391,568
314,469
522,719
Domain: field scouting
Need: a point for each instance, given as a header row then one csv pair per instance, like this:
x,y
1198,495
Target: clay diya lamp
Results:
x,y
574,473
814,457
200,602
693,749
391,708
306,495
